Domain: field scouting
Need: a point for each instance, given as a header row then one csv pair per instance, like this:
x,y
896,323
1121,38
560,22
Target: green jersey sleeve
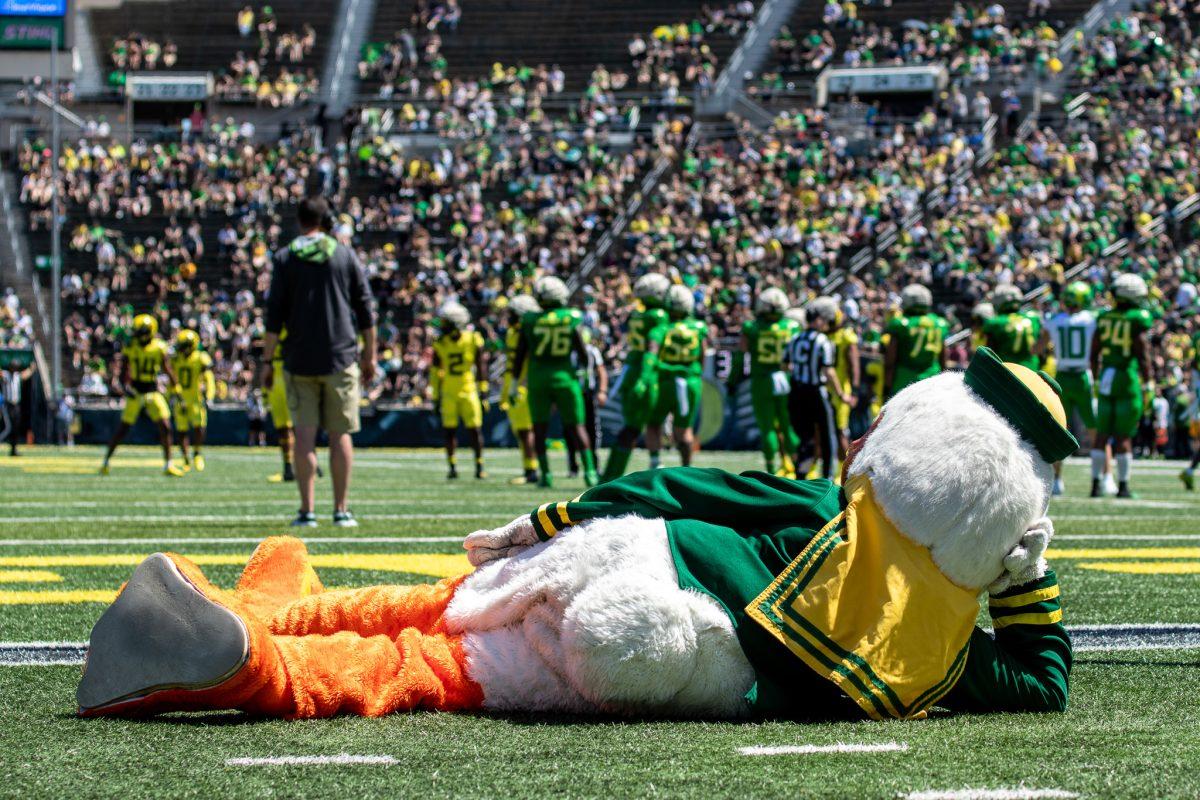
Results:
x,y
1027,666
749,502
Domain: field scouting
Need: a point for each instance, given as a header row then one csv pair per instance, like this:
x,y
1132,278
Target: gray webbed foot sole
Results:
x,y
160,633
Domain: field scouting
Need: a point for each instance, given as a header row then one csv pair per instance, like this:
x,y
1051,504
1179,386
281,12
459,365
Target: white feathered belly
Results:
x,y
594,621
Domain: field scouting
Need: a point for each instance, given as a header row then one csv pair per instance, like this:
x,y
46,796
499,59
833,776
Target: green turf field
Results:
x,y
69,537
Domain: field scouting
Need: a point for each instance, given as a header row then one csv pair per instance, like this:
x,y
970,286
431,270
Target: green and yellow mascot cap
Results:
x,y
1029,401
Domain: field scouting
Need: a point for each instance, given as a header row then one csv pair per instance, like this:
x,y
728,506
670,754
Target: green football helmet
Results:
x,y
1077,296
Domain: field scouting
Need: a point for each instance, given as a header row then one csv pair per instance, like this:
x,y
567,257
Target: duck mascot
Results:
x,y
678,592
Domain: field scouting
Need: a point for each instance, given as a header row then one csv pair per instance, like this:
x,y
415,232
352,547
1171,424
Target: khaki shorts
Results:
x,y
324,401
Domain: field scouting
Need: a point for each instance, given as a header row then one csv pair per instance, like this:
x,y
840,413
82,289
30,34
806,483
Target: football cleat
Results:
x,y
547,481
452,475
480,472
1059,489
173,471
198,463
344,519
1189,480
590,478
1097,488
1124,492
104,469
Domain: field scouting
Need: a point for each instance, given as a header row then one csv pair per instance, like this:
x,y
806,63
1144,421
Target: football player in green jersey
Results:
x,y
916,347
1015,336
639,380
764,339
1121,363
548,338
680,366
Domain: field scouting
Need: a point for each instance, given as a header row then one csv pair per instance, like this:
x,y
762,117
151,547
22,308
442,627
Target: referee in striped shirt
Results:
x,y
811,357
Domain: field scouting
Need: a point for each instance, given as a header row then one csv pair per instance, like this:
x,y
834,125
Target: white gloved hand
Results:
x,y
1026,562
485,546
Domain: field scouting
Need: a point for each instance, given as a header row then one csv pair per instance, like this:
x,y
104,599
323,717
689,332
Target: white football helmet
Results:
x,y
680,300
551,292
915,296
651,287
523,304
454,315
796,314
825,308
1006,298
772,301
1129,287
983,311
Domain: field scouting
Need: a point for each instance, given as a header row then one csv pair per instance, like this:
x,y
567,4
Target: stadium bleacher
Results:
x,y
872,202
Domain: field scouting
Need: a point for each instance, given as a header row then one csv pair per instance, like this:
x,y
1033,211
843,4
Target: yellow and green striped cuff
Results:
x,y
550,519
1032,604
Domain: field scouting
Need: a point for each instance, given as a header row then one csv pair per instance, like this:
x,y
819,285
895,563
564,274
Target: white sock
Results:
x,y
1097,464
1124,465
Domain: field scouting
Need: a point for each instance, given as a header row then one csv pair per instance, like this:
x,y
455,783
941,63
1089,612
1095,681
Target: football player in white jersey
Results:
x,y
1071,333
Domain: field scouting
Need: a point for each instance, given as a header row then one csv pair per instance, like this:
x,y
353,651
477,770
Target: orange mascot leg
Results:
x,y
277,573
369,651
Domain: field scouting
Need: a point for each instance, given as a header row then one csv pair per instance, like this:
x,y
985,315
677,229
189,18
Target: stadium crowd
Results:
x,y
976,44
411,71
16,324
521,191
273,73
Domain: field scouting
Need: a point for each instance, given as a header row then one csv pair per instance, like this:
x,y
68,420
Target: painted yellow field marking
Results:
x,y
75,596
59,465
436,565
40,598
29,576
1145,567
1125,552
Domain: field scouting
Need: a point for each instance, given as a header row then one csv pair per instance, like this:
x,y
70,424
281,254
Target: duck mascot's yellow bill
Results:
x,y
678,592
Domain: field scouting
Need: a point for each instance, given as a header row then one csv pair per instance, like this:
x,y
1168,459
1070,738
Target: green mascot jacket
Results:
x,y
736,538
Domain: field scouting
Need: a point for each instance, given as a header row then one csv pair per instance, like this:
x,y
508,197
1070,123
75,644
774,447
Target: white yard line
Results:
x,y
451,539
1019,793
169,518
228,540
814,749
1119,637
224,501
340,760
1129,537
